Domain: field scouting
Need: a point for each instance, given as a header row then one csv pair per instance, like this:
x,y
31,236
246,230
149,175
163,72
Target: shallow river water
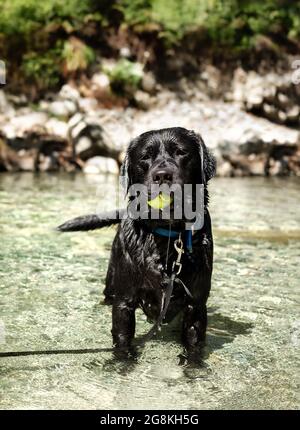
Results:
x,y
50,298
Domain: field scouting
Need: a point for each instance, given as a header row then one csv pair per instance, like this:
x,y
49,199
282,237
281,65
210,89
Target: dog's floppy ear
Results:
x,y
125,173
207,160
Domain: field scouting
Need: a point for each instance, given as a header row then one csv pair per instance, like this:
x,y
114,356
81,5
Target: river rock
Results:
x,y
62,108
99,88
143,99
257,164
255,136
101,80
26,160
9,160
149,83
272,96
212,77
96,165
17,100
87,104
90,139
242,165
21,124
225,168
293,114
5,107
27,150
3,102
57,127
69,92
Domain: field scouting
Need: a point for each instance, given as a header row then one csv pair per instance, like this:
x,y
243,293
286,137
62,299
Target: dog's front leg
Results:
x,y
123,322
194,326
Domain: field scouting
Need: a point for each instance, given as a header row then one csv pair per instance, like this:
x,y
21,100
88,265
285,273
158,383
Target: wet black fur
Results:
x,y
136,276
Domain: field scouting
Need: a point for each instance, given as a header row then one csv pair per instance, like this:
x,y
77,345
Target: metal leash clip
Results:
x,y
178,245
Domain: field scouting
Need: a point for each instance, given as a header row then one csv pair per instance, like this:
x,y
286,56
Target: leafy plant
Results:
x,y
125,76
77,55
43,69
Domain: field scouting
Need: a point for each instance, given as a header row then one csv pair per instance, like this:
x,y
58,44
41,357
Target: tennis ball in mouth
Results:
x,y
160,202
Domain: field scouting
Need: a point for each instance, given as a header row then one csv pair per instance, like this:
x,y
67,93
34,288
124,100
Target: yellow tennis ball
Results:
x,y
160,202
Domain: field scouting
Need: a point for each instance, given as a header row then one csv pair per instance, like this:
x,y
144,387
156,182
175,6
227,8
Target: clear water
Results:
x,y
51,292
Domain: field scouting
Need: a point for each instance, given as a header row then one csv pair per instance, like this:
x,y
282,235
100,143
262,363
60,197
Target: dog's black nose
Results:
x,y
162,175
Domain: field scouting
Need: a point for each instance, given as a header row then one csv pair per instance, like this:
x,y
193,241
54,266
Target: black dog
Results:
x,y
142,256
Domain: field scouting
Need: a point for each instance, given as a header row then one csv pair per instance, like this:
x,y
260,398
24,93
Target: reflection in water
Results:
x,y
51,293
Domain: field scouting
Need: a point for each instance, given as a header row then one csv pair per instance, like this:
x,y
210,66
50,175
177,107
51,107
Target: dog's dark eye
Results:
x,y
180,152
144,157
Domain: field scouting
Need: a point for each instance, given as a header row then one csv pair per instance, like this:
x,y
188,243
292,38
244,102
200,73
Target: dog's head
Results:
x,y
171,155
172,158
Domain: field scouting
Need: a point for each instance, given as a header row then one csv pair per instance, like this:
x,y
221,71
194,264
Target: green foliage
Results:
x,y
224,20
36,36
24,16
234,23
136,11
237,23
173,18
43,69
77,55
125,76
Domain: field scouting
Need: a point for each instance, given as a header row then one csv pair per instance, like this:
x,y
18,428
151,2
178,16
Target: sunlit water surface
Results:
x,y
50,298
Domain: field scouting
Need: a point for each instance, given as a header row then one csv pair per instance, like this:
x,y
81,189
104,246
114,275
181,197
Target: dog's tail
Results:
x,y
92,222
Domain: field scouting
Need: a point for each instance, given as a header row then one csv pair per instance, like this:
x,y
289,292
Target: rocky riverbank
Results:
x,y
252,126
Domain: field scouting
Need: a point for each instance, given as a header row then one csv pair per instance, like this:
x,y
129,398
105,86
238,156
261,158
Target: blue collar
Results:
x,y
175,234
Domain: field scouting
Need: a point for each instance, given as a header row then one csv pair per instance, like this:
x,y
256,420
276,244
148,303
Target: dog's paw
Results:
x,y
193,356
125,353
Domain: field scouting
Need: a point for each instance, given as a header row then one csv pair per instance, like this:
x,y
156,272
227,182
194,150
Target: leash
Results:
x,y
54,352
167,294
174,234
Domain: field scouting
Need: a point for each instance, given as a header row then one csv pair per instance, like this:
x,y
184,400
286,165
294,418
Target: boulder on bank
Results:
x,y
36,151
90,139
37,140
101,165
6,107
9,161
22,122
272,96
254,144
